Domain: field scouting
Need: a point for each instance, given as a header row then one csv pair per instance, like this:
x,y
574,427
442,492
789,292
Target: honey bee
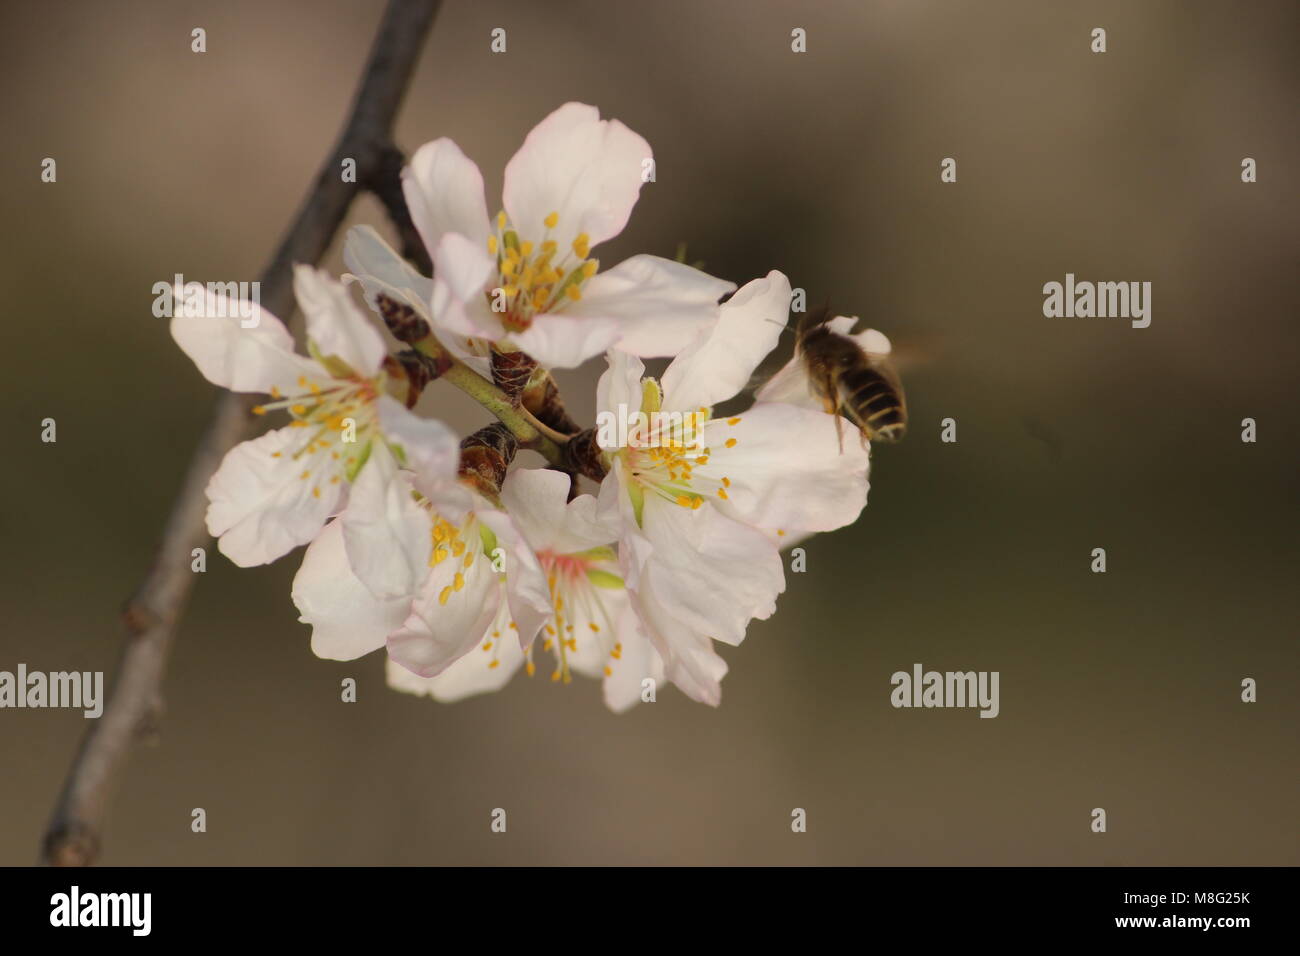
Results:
x,y
851,380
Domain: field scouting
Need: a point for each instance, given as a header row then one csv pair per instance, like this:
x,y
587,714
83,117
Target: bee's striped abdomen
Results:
x,y
874,404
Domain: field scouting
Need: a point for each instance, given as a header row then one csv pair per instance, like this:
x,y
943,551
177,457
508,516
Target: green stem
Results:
x,y
530,432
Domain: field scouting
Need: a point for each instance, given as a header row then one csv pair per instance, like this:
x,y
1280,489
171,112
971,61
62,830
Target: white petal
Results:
x,y
723,358
661,306
638,662
261,506
431,449
619,390
256,358
586,169
387,534
527,592
713,573
791,386
562,341
535,498
379,269
444,191
478,672
821,488
334,324
445,624
689,660
462,270
347,620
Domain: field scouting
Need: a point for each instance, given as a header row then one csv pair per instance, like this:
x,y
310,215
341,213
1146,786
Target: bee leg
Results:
x,y
839,427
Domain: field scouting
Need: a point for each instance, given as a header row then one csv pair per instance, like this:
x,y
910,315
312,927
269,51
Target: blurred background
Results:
x,y
1118,690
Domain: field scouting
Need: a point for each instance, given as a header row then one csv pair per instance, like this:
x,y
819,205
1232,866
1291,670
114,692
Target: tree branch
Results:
x,y
134,705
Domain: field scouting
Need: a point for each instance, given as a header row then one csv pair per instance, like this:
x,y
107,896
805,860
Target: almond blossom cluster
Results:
x,y
634,549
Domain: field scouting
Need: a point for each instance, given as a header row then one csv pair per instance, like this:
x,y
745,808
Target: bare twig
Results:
x,y
134,705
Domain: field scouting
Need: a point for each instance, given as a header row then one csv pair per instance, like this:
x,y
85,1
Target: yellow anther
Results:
x,y
315,389
609,671
508,267
316,492
302,381
444,595
469,559
780,532
459,581
594,626
555,675
549,247
305,475
526,247
439,555
731,443
733,421
275,391
726,482
552,220
722,493
685,501
493,663
510,291
501,219
298,409
275,454
696,503
573,292
582,245
492,245
550,630
547,645
589,268
530,668
259,409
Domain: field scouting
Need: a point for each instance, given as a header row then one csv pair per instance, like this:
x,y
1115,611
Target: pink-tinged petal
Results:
x,y
821,488
537,500
253,354
638,662
334,324
380,270
386,532
444,191
587,170
563,341
661,306
721,361
263,502
481,671
429,448
447,622
347,620
714,573
528,593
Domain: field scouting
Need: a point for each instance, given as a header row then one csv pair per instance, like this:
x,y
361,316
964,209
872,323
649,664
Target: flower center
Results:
x,y
342,414
662,457
581,633
532,280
